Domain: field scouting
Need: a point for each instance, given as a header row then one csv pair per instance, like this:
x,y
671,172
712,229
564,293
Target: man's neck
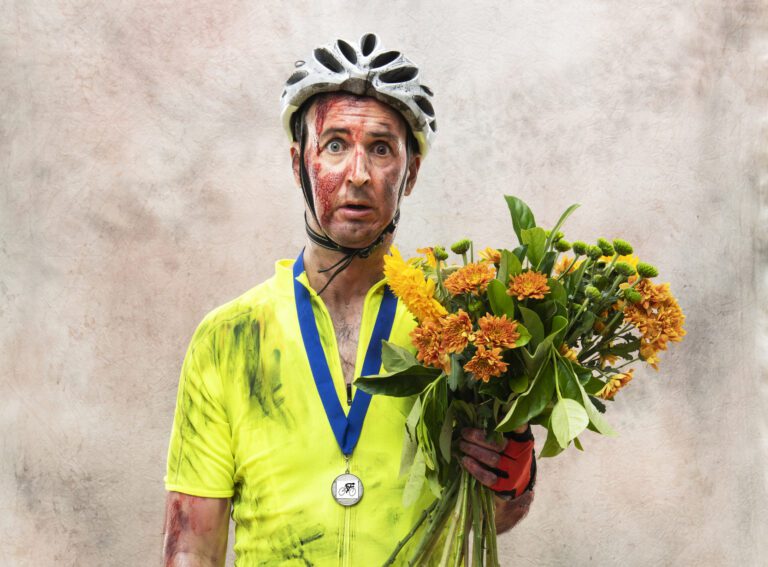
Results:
x,y
351,283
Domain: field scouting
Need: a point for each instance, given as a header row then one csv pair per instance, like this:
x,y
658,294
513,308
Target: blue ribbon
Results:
x,y
346,428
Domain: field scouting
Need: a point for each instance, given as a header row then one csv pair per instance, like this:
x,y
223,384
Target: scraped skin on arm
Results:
x,y
196,531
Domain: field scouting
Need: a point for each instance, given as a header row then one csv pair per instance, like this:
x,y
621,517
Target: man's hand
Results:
x,y
508,468
196,531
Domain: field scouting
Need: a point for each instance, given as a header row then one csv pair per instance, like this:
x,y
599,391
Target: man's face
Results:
x,y
356,158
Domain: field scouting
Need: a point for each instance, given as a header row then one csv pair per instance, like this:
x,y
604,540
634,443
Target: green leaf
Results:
x,y
559,325
574,278
547,262
595,417
535,239
525,335
409,382
395,358
416,478
520,252
533,324
501,303
509,266
557,291
410,445
446,435
531,403
522,217
569,419
551,447
586,320
577,444
456,377
519,384
560,222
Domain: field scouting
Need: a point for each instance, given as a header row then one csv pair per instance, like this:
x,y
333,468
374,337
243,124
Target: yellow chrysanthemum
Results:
x,y
564,262
409,284
472,278
657,316
630,259
616,383
456,331
491,255
429,256
486,364
528,284
607,358
497,332
569,353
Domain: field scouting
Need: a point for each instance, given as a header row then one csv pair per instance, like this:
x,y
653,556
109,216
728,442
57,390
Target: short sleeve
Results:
x,y
200,460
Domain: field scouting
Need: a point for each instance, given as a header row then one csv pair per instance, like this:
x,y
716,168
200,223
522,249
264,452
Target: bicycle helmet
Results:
x,y
387,76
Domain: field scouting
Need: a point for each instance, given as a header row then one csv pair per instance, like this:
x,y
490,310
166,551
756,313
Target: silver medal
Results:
x,y
347,489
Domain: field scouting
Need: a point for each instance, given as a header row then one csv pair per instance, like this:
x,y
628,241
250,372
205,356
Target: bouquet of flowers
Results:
x,y
518,336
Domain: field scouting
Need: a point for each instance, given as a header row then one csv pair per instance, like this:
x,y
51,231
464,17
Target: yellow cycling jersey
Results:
x,y
249,424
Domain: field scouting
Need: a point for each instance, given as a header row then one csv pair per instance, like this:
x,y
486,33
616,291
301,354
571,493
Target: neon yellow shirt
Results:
x,y
249,424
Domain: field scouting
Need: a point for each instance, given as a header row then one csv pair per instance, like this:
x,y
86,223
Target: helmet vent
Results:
x,y
433,125
347,50
368,43
296,77
424,105
427,90
327,60
399,75
384,59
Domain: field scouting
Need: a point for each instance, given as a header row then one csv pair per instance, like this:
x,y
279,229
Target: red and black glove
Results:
x,y
509,468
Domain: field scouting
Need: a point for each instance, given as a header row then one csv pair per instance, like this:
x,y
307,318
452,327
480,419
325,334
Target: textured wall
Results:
x,y
145,180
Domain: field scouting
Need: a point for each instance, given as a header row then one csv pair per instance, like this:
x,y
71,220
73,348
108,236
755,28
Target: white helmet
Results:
x,y
371,71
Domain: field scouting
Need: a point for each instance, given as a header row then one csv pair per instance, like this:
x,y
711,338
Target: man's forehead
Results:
x,y
330,109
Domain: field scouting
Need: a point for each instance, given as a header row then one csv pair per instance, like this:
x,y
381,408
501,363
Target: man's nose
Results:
x,y
358,174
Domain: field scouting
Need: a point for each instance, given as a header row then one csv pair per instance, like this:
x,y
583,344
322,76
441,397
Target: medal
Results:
x,y
346,489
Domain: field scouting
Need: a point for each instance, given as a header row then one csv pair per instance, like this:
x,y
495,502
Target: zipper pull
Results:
x,y
349,394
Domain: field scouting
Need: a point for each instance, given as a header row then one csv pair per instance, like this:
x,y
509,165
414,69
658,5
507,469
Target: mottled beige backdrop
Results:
x,y
145,180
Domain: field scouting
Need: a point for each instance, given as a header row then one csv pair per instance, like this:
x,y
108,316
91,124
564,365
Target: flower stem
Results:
x,y
410,534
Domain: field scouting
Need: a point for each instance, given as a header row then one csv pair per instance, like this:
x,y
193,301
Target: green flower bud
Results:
x,y
440,253
623,248
476,306
605,247
593,293
579,247
632,295
562,245
624,269
600,281
547,232
558,235
594,252
460,247
646,270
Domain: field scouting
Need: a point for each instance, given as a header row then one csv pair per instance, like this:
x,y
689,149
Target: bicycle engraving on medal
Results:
x,y
347,489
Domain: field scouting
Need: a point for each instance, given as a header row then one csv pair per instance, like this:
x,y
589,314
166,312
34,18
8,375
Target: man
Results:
x,y
260,421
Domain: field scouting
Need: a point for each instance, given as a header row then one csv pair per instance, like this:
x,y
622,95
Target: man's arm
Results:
x,y
196,531
510,512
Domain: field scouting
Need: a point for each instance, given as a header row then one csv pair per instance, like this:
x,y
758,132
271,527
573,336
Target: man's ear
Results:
x,y
295,156
413,172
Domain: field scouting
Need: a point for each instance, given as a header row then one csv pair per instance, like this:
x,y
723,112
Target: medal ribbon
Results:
x,y
346,428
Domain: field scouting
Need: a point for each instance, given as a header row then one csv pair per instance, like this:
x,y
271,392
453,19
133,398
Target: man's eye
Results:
x,y
335,146
381,149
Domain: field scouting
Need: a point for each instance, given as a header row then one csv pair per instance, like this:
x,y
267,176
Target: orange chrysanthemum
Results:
x,y
409,284
427,339
528,284
657,316
491,255
497,332
564,262
486,364
456,331
607,358
569,353
472,278
616,383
